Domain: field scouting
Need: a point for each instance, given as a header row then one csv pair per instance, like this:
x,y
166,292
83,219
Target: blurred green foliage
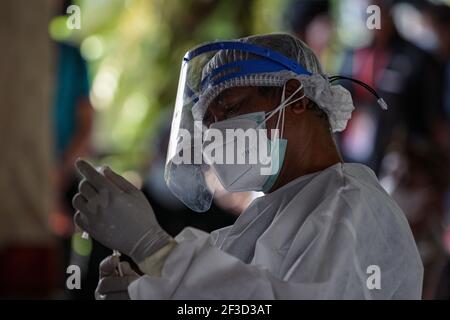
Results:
x,y
134,49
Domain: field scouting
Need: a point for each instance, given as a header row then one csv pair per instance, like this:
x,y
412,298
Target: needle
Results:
x,y
119,266
116,253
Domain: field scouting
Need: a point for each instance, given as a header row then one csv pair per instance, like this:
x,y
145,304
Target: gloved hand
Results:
x,y
116,213
111,286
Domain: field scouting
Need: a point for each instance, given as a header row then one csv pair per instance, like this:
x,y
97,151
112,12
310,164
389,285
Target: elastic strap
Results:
x,y
285,103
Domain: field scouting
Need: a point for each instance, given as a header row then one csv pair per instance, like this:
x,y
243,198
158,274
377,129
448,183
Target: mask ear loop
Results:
x,y
284,103
287,103
282,122
280,114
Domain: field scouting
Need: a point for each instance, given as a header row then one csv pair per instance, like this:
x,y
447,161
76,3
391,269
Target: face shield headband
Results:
x,y
272,62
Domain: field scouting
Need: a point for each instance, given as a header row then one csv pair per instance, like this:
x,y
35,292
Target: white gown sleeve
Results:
x,y
196,269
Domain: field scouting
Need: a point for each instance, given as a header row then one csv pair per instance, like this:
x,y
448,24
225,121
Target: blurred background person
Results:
x,y
438,16
407,77
312,21
29,255
403,61
417,176
72,123
72,119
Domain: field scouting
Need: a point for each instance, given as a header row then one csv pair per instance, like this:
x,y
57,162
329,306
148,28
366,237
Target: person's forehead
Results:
x,y
230,94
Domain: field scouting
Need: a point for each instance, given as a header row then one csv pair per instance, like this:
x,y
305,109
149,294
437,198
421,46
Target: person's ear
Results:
x,y
291,86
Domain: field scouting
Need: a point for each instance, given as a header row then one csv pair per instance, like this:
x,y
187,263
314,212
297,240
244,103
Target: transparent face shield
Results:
x,y
205,72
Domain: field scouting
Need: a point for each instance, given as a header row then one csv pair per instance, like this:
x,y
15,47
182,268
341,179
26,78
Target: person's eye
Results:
x,y
232,109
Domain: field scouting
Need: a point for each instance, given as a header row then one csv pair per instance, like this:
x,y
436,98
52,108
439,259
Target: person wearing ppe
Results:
x,y
323,230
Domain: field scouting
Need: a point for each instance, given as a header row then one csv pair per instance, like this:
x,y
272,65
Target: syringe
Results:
x,y
119,266
116,253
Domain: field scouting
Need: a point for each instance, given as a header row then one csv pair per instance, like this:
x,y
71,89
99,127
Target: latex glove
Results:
x,y
116,213
111,286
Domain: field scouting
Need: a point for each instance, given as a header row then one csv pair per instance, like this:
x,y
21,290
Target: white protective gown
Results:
x,y
334,234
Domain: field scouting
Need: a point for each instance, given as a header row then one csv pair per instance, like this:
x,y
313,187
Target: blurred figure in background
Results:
x,y
28,253
72,124
408,146
72,117
438,16
417,177
410,81
311,21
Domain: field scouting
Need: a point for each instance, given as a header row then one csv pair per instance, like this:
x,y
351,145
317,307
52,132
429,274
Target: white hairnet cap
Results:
x,y
334,100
